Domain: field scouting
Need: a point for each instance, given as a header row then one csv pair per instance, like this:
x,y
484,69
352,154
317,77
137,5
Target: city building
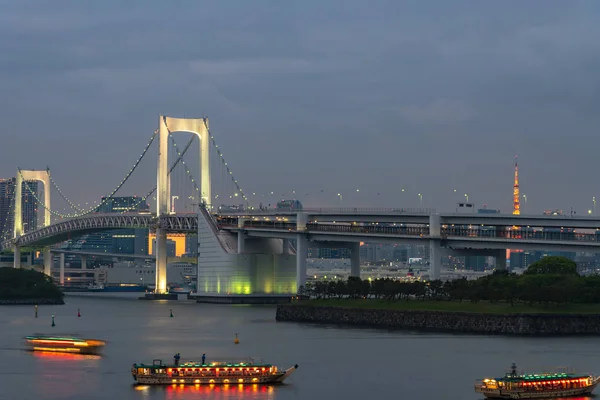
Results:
x,y
29,202
170,247
122,241
122,204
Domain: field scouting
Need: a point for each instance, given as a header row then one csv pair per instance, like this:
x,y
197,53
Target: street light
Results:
x,y
467,197
594,201
420,198
340,196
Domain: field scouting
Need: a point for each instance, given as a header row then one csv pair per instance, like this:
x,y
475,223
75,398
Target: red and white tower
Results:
x,y
516,201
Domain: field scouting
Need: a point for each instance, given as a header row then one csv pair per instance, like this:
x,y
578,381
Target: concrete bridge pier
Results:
x,y
435,250
161,261
83,262
48,261
435,255
301,256
287,247
301,249
355,259
17,257
500,259
241,245
61,263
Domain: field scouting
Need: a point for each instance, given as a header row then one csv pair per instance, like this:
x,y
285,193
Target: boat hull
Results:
x,y
118,289
545,394
71,350
270,379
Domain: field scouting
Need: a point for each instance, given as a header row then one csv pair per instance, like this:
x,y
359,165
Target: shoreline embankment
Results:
x,y
31,302
441,321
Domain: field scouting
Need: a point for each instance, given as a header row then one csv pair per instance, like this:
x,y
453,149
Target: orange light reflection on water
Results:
x,y
53,355
221,391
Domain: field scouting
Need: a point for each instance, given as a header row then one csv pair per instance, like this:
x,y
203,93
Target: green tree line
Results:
x,y
552,280
18,283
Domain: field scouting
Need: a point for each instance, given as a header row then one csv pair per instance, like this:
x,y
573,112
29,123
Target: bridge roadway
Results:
x,y
63,230
418,216
452,237
368,225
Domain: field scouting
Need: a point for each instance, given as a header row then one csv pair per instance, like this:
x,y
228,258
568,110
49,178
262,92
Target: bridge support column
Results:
x,y
435,255
286,246
48,259
434,225
241,236
17,258
500,260
83,262
301,220
241,242
301,256
29,261
435,251
161,261
61,263
355,259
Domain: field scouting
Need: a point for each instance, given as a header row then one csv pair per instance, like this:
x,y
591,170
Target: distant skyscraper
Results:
x,y
29,202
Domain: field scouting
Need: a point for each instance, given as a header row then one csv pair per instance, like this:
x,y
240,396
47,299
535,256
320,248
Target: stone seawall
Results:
x,y
31,302
494,324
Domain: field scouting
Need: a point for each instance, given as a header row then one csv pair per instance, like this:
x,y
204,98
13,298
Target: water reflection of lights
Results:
x,y
214,391
53,355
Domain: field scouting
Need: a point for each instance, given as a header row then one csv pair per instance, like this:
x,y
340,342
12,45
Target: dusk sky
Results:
x,y
312,96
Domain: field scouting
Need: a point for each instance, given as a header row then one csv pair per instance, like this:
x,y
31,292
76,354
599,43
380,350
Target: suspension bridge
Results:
x,y
174,178
258,251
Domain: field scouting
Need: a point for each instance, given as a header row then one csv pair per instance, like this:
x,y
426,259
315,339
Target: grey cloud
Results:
x,y
429,96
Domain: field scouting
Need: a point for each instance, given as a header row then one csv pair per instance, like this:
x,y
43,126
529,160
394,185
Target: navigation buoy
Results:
x,y
236,341
53,324
78,313
171,310
36,308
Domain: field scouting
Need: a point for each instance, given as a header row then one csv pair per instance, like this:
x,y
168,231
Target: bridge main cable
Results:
x,y
93,208
180,158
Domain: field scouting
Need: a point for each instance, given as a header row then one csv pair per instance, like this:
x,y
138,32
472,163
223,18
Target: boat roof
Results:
x,y
212,364
57,337
541,377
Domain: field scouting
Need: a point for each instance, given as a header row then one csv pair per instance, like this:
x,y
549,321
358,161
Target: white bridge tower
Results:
x,y
167,125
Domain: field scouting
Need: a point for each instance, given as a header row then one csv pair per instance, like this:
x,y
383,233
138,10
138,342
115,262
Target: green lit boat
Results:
x,y
537,386
250,371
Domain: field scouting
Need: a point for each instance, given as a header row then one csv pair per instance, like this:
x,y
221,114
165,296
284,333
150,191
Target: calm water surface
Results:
x,y
335,363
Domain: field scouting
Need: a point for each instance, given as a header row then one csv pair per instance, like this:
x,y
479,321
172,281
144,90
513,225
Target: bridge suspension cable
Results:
x,y
60,192
93,208
180,158
226,165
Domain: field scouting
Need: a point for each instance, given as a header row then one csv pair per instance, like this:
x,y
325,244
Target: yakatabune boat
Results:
x,y
63,344
537,386
218,372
